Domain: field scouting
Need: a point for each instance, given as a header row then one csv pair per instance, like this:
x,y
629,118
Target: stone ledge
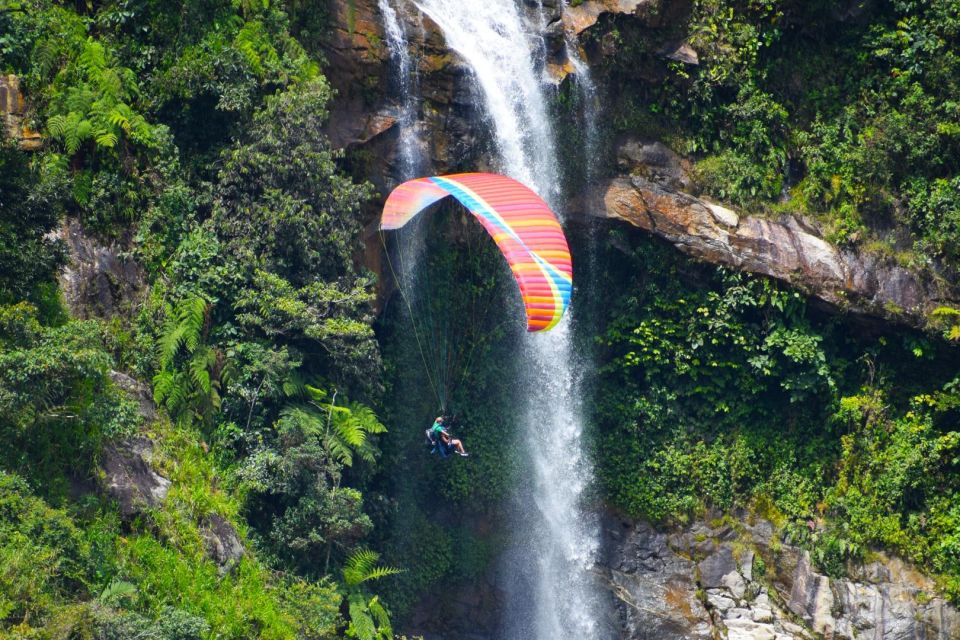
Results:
x,y
788,249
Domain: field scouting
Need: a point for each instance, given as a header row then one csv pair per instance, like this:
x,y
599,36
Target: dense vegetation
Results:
x,y
190,133
845,111
722,391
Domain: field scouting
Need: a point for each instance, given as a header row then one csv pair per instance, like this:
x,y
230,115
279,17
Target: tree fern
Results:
x,y
91,100
191,372
369,619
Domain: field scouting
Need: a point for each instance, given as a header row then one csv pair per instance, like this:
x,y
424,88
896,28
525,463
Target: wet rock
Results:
x,y
98,281
583,16
681,52
655,588
129,478
655,161
887,598
221,541
788,249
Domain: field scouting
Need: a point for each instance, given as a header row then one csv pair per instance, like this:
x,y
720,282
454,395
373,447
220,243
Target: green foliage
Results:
x,y
31,203
191,372
369,619
362,567
722,392
95,107
41,555
247,248
294,497
847,115
56,399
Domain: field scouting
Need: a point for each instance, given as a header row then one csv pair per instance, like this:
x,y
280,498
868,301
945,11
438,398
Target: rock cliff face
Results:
x,y
13,112
788,249
98,281
732,578
739,581
654,192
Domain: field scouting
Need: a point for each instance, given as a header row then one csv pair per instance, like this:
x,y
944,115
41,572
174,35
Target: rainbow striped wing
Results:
x,y
520,222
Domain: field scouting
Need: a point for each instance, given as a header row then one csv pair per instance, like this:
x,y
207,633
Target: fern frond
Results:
x,y
361,567
116,591
350,431
193,317
340,451
316,395
358,565
56,125
169,344
361,624
200,374
106,139
382,617
365,416
162,383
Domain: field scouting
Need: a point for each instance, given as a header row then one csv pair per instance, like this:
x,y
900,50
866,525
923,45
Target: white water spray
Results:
x,y
551,595
411,146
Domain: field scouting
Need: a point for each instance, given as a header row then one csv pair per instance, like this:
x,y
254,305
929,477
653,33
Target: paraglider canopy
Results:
x,y
526,231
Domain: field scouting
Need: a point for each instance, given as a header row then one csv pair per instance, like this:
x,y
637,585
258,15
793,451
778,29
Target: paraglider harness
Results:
x,y
435,440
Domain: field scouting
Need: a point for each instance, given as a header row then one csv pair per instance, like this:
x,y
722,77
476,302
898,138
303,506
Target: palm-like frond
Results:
x,y
362,567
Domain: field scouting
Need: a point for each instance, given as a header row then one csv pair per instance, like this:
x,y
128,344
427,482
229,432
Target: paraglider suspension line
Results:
x,y
416,333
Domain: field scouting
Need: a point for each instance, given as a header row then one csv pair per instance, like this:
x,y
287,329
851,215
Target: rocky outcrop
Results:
x,y
741,582
98,281
584,15
788,248
137,390
13,112
129,478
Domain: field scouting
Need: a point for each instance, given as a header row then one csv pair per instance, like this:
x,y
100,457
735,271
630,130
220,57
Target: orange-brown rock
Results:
x,y
788,249
13,111
583,16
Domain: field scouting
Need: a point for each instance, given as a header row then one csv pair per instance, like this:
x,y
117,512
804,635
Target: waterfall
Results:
x,y
411,147
551,595
491,37
589,99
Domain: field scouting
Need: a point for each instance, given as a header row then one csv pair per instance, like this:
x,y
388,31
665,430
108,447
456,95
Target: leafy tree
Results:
x,y
56,399
290,220
31,203
294,493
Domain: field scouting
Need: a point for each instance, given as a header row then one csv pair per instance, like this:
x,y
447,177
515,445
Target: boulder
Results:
x,y
716,567
129,478
222,542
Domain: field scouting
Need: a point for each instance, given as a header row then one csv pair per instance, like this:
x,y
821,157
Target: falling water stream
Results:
x,y
550,593
411,148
